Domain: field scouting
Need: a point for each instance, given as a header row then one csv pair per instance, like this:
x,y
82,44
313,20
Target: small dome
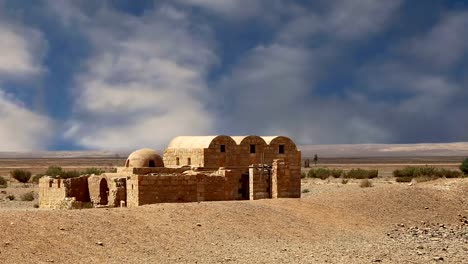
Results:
x,y
144,158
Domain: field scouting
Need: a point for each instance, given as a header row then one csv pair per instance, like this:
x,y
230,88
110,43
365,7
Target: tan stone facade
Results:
x,y
193,169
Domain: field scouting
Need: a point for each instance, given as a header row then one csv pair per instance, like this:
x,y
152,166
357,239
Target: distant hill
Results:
x,y
456,149
387,150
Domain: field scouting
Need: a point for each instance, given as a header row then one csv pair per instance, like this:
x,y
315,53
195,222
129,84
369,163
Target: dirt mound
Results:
x,y
333,222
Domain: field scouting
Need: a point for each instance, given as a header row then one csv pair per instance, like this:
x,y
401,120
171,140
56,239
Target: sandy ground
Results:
x,y
332,223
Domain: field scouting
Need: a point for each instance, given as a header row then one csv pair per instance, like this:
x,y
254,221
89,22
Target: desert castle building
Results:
x,y
192,169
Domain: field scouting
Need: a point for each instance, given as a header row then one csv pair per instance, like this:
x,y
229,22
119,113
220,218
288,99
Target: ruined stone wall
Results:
x,y
116,185
260,183
161,189
196,157
286,184
185,187
63,193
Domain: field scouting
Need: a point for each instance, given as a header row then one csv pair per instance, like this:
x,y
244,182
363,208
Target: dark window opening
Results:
x,y
151,163
189,161
223,148
281,149
177,160
252,148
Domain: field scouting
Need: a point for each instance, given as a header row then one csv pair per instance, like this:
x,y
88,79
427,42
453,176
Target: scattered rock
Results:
x,y
99,243
439,258
198,224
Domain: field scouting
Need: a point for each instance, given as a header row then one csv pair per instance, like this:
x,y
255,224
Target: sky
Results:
x,y
121,75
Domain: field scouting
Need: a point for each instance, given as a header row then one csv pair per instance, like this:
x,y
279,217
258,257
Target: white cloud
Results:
x,y
20,128
145,82
21,51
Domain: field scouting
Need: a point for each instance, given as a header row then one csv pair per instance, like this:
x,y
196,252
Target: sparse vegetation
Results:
x,y
29,196
35,178
365,183
344,181
421,174
3,182
58,172
361,174
54,171
464,166
324,173
10,197
22,176
94,171
305,191
303,175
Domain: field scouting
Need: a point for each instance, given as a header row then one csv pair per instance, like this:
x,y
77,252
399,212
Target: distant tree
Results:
x,y
315,159
22,176
464,166
306,163
94,171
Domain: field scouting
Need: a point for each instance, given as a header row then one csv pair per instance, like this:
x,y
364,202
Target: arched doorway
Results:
x,y
103,192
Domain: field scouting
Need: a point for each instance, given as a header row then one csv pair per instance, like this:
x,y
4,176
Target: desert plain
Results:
x,y
332,222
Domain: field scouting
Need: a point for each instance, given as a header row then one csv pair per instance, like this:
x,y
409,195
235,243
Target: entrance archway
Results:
x,y
103,192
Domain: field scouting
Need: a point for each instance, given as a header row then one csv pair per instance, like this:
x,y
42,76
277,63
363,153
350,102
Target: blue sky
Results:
x,y
119,75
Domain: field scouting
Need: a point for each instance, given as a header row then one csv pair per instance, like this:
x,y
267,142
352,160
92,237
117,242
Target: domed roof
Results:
x,y
144,158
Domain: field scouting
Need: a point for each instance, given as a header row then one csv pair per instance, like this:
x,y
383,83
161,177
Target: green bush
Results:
x,y
305,191
428,173
29,196
324,173
3,182
361,174
94,171
70,174
58,172
21,175
54,171
336,173
303,175
35,178
464,166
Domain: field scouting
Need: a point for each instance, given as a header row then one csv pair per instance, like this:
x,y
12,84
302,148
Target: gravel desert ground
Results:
x,y
332,223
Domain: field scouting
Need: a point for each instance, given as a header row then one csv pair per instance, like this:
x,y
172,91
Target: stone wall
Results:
x,y
63,193
260,183
196,157
116,189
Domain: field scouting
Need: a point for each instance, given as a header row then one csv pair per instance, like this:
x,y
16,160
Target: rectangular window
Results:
x,y
223,148
281,149
252,148
189,161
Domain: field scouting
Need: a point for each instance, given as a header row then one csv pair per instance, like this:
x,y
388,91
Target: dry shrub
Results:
x,y
11,197
424,174
3,182
404,179
344,181
365,183
361,174
324,173
29,196
305,191
22,176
